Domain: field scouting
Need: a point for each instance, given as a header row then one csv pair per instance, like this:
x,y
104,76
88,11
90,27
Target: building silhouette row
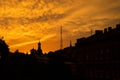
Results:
x,y
96,57
103,45
37,52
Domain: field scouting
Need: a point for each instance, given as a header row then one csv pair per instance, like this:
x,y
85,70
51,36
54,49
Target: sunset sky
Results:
x,y
24,23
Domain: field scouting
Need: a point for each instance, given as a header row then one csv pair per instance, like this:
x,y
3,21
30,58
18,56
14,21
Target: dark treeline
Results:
x,y
36,66
96,57
20,66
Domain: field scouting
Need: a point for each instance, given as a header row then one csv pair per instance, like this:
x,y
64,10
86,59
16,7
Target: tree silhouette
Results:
x,y
4,50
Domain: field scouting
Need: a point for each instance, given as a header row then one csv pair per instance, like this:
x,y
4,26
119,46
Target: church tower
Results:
x,y
39,50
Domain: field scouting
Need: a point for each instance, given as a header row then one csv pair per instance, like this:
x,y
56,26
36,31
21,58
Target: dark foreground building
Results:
x,y
96,57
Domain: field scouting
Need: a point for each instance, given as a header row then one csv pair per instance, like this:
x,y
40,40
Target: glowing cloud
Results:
x,y
31,42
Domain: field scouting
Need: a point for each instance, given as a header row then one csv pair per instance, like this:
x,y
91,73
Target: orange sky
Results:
x,y
24,22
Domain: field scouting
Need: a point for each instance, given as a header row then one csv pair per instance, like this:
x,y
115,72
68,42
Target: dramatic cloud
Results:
x,y
24,22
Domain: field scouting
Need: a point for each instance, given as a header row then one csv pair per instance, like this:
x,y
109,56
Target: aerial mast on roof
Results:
x,y
61,42
91,31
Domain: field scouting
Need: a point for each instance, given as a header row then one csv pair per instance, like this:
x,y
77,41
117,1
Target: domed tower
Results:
x,y
39,50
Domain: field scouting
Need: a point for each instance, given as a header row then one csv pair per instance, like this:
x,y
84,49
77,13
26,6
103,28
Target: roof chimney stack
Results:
x,y
105,30
98,32
118,26
109,28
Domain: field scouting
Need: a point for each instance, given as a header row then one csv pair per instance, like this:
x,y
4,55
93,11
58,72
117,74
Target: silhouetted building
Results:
x,y
100,46
98,32
96,57
98,51
39,50
105,30
80,41
33,52
109,28
118,26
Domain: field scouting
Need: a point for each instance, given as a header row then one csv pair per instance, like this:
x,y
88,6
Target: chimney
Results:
x,y
98,32
109,28
105,30
118,26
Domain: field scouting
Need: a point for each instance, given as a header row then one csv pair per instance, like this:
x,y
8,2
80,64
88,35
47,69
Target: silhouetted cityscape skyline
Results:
x,y
95,57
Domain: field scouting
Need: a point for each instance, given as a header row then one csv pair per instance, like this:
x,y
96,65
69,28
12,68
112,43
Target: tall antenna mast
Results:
x,y
70,43
91,31
61,42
